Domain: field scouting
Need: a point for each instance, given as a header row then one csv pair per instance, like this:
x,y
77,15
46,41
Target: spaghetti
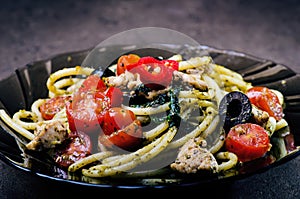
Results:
x,y
202,86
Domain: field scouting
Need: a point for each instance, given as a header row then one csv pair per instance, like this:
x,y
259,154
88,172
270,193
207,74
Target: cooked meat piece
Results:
x,y
124,80
193,157
260,117
49,135
154,93
192,79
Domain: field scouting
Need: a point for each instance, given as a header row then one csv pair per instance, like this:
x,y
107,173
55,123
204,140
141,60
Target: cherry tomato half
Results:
x,y
52,106
116,118
127,138
78,146
93,82
85,113
116,96
248,141
126,60
266,100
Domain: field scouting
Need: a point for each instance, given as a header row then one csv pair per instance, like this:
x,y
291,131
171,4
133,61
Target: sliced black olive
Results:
x,y
235,108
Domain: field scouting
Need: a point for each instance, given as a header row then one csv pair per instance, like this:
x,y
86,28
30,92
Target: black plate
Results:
x,y
27,84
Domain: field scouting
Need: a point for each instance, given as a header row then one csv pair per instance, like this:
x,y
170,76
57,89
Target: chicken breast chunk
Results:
x,y
193,157
49,135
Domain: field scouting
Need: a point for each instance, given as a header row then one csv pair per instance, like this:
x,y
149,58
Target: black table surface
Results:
x,y
34,30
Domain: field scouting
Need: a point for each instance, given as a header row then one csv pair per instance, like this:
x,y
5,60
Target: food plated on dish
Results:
x,y
154,117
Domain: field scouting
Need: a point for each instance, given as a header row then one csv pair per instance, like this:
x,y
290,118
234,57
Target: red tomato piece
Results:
x,y
248,141
94,83
78,146
116,118
116,96
153,73
266,100
53,106
85,113
128,138
126,60
171,63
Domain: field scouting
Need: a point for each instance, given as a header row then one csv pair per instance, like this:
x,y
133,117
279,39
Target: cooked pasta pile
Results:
x,y
205,85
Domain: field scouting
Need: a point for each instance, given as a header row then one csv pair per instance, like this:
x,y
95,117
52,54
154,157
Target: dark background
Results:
x,y
35,30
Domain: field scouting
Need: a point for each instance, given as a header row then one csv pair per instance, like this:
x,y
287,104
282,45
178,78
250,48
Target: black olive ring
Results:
x,y
235,108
